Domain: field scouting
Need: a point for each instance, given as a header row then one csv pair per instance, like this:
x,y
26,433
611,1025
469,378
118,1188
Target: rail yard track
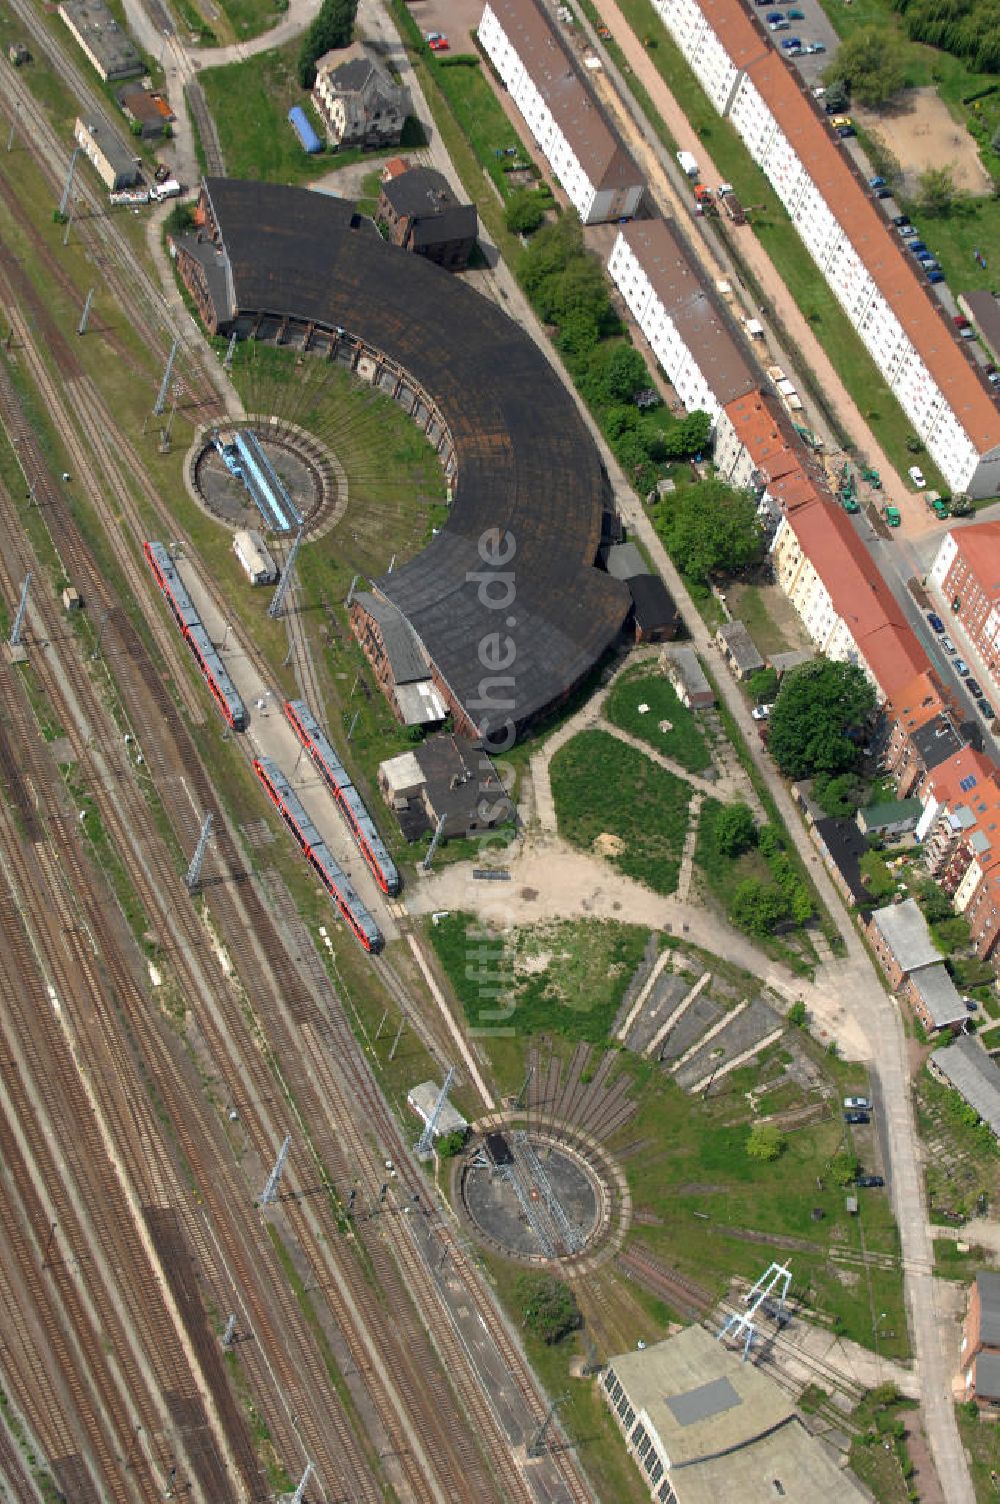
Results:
x,y
438,1466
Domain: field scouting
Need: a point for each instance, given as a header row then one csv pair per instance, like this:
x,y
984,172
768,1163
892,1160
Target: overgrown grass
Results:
x,y
564,978
965,1162
603,788
250,102
981,1439
664,723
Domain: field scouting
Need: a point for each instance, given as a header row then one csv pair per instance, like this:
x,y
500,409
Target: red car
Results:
x,y
437,43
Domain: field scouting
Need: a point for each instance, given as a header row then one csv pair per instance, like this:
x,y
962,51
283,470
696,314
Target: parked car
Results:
x,y
937,625
778,25
961,668
907,231
844,131
930,265
948,645
857,1117
935,276
993,377
985,710
917,476
857,1104
775,15
815,46
795,15
960,321
876,182
439,44
761,712
899,220
792,44
883,192
975,688
870,1182
915,247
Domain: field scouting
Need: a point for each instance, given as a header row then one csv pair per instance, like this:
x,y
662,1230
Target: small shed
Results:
x,y
891,819
423,1099
654,612
686,674
71,598
739,649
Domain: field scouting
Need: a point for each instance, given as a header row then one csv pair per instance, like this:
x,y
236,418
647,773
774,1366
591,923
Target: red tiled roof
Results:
x,y
979,547
859,594
946,779
892,270
918,701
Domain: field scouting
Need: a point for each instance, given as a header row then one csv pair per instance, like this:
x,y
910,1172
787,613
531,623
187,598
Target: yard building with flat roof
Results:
x,y
966,1066
529,493
684,670
254,556
444,778
105,43
890,819
706,1428
935,998
113,161
739,649
577,139
902,940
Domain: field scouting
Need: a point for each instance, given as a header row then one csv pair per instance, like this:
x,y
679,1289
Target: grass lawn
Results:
x,y
991,1037
981,1440
965,1162
248,18
878,879
250,103
682,740
566,978
698,1180
756,606
603,788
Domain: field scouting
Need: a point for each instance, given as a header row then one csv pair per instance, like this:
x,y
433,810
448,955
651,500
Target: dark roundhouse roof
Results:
x,y
525,460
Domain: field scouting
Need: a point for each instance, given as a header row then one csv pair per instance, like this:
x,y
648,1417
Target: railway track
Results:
x,y
238,913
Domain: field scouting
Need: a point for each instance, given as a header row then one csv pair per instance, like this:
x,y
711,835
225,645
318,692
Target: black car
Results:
x,y
985,709
975,688
869,1182
900,219
857,1117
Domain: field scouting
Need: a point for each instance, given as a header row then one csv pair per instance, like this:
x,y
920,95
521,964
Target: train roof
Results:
x,y
526,464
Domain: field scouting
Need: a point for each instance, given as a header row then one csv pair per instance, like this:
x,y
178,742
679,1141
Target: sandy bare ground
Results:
x,y
920,131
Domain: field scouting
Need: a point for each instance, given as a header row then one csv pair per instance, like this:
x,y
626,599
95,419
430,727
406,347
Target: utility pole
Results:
x,y
270,1191
81,327
15,632
536,1446
68,188
161,397
425,1142
192,877
435,843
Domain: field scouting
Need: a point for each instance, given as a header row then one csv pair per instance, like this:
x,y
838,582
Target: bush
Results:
x,y
844,1168
766,1142
548,1307
763,685
735,831
525,212
798,1015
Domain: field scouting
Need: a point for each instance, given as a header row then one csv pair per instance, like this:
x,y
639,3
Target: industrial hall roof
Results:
x,y
505,598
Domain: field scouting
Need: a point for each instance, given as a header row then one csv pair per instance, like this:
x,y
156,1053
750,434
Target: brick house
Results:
x,y
981,1340
423,216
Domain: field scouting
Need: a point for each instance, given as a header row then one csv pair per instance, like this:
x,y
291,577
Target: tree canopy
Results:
x,y
548,1307
871,63
712,530
968,29
766,1142
734,830
936,192
525,212
817,724
333,27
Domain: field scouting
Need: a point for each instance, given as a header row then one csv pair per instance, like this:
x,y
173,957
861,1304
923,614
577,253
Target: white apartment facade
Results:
x,y
599,178
937,389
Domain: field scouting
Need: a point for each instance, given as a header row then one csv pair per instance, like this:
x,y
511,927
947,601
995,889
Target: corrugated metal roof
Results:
x,y
971,1071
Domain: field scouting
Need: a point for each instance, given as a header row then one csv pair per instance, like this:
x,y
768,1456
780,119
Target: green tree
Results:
x,y
734,831
844,1168
548,1307
839,797
763,685
758,907
624,374
934,902
332,28
710,529
525,212
871,64
688,436
936,192
818,720
450,1144
797,1014
766,1142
